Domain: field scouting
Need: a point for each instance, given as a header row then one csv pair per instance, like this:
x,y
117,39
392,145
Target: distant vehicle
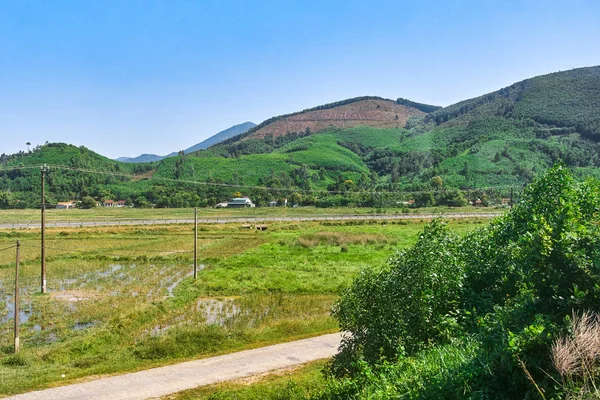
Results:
x,y
221,205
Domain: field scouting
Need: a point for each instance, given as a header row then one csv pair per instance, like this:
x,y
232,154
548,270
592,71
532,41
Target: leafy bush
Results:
x,y
407,306
509,287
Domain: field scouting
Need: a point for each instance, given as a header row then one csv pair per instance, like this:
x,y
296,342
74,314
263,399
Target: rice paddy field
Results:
x,y
123,298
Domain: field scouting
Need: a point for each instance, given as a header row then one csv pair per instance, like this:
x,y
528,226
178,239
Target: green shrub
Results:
x,y
509,287
407,306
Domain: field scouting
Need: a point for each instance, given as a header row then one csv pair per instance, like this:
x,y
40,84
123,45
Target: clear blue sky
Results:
x,y
124,77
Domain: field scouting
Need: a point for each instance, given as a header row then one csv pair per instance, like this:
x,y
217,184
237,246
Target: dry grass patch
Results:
x,y
342,238
74,296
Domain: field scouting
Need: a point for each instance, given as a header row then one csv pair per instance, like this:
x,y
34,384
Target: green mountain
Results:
x,y
500,139
68,179
509,136
356,147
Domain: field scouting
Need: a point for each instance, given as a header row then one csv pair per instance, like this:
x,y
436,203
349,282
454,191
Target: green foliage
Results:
x,y
424,199
426,108
440,372
562,99
452,198
510,287
407,306
323,151
69,183
6,200
87,202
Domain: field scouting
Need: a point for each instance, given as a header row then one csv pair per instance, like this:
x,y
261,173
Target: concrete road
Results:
x,y
163,381
243,220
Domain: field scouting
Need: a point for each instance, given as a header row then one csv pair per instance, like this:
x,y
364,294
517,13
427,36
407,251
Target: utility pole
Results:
x,y
43,246
17,344
511,197
195,243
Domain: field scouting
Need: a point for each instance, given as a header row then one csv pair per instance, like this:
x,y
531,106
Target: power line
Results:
x,y
8,248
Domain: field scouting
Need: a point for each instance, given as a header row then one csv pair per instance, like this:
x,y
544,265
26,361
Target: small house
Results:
x,y
120,203
108,203
240,202
65,205
275,203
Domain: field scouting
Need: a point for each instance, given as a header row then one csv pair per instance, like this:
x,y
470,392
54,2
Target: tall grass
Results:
x,y
577,357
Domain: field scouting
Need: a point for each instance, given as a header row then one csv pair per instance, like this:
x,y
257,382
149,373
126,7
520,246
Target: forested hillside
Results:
x,y
20,174
365,151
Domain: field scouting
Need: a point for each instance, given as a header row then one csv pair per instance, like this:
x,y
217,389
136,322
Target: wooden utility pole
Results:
x,y
195,243
18,261
43,233
511,197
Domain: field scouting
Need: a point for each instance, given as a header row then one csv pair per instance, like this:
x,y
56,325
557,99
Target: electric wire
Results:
x,y
8,248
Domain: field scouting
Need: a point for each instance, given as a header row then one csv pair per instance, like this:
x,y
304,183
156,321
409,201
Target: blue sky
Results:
x,y
124,77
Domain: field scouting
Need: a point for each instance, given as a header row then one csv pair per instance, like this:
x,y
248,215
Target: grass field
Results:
x,y
122,298
103,213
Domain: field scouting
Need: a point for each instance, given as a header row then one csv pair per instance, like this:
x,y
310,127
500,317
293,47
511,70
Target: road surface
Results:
x,y
243,220
167,380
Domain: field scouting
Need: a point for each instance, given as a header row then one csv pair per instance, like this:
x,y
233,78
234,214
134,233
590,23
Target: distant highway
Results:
x,y
239,220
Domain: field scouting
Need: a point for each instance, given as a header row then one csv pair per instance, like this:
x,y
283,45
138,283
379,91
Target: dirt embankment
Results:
x,y
374,113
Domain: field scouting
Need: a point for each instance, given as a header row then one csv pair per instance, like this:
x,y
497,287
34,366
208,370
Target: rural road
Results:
x,y
244,220
162,381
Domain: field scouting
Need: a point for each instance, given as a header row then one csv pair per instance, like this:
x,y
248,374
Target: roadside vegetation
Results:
x,y
506,311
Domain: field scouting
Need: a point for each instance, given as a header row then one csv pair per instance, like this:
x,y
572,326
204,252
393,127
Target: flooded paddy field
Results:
x,y
124,298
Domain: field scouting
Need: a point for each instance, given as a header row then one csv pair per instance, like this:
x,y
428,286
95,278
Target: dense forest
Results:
x,y
476,149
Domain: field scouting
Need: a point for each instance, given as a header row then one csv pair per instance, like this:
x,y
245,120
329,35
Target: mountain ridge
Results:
x,y
498,140
215,139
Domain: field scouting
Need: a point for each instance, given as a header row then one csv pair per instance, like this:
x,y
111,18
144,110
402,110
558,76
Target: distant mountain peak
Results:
x,y
221,136
215,139
141,159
